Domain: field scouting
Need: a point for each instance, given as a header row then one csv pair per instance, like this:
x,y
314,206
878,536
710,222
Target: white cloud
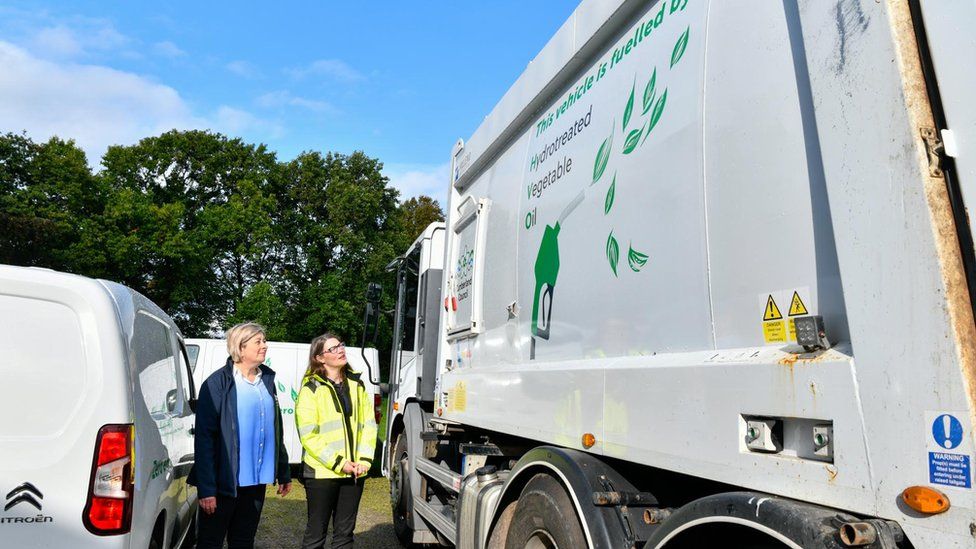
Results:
x,y
168,49
99,106
277,99
243,68
59,41
236,122
417,179
82,37
329,68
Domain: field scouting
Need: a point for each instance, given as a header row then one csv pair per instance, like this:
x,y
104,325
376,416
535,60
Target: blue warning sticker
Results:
x,y
947,431
949,469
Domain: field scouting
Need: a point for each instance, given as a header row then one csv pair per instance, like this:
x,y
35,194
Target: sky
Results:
x,y
399,80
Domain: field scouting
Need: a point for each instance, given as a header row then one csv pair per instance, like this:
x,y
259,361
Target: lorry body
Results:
x,y
289,361
96,440
706,273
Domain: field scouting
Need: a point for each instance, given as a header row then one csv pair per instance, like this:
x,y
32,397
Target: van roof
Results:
x,y
126,300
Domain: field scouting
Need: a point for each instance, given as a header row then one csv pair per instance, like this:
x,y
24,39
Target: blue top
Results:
x,y
215,444
255,431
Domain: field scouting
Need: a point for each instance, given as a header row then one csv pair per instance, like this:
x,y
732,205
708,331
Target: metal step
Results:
x,y
440,517
445,477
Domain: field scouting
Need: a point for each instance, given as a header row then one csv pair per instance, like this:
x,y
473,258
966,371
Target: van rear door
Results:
x,y
65,374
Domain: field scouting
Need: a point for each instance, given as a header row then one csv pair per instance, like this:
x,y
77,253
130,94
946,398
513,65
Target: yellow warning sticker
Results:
x,y
779,328
797,308
457,398
772,311
774,331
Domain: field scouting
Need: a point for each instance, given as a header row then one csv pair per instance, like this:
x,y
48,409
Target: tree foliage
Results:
x,y
214,230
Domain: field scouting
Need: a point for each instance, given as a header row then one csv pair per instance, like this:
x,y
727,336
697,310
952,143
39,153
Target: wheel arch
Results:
x,y
579,473
793,523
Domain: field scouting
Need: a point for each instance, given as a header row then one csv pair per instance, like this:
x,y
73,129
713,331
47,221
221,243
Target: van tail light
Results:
x,y
108,510
378,408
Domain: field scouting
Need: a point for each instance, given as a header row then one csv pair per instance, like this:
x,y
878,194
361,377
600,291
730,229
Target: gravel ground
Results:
x,y
283,520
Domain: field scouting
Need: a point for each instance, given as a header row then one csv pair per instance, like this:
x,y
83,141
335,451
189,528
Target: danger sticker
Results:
x,y
777,327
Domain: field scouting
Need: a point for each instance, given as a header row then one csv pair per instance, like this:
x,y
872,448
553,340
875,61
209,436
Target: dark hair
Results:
x,y
316,348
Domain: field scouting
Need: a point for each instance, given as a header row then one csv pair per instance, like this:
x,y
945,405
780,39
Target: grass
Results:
x,y
283,519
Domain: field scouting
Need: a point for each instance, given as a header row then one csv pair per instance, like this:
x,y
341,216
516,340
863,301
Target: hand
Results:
x,y
350,468
361,468
209,505
283,489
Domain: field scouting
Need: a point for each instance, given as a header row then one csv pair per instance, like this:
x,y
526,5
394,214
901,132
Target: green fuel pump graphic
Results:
x,y
546,270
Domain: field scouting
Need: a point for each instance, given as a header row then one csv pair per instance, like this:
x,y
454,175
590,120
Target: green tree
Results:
x,y
193,226
261,305
338,221
47,192
413,216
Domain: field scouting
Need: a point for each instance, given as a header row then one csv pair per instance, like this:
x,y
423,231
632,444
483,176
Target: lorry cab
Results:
x,y
96,440
413,364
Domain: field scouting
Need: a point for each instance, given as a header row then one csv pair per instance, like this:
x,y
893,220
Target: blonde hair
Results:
x,y
239,335
316,348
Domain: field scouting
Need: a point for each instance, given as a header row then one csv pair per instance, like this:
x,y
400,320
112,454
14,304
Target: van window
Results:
x,y
186,377
152,348
192,353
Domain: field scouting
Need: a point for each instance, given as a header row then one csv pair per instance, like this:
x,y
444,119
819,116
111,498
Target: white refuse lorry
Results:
x,y
96,437
289,361
706,280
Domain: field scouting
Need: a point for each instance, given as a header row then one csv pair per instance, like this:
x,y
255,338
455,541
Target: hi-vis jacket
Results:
x,y
329,438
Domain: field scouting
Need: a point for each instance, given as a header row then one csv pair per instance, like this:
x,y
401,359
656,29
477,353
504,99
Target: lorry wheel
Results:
x,y
400,495
544,518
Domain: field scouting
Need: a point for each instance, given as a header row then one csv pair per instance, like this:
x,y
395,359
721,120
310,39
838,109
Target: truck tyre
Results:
x,y
400,495
545,518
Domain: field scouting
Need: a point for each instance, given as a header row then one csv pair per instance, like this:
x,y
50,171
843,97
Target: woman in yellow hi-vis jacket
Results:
x,y
338,434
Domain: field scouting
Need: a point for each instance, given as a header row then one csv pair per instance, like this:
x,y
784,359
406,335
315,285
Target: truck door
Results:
x,y
403,373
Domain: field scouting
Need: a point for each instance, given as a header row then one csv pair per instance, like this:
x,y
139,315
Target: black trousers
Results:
x,y
336,499
235,518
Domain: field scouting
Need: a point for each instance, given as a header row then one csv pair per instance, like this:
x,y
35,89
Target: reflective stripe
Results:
x,y
333,449
306,429
329,426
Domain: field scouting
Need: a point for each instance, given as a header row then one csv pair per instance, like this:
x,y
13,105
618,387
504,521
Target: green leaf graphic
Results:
x,y
608,202
629,109
680,46
633,139
656,114
281,387
602,157
650,92
613,253
294,395
636,259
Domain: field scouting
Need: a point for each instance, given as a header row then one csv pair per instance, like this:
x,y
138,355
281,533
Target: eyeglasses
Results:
x,y
335,349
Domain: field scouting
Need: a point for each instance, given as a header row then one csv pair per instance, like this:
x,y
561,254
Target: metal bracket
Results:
x,y
934,148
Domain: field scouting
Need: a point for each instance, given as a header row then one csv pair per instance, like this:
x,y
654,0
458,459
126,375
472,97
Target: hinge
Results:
x,y
934,148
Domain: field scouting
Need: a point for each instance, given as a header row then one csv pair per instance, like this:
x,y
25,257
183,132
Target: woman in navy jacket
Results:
x,y
238,444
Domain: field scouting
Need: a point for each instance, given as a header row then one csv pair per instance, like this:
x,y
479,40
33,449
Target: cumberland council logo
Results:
x,y
465,264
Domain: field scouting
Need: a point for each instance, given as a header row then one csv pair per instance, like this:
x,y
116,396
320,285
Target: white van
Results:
x,y
289,361
96,436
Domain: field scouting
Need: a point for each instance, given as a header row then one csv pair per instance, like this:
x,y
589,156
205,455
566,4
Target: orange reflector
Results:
x,y
925,500
588,440
396,406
